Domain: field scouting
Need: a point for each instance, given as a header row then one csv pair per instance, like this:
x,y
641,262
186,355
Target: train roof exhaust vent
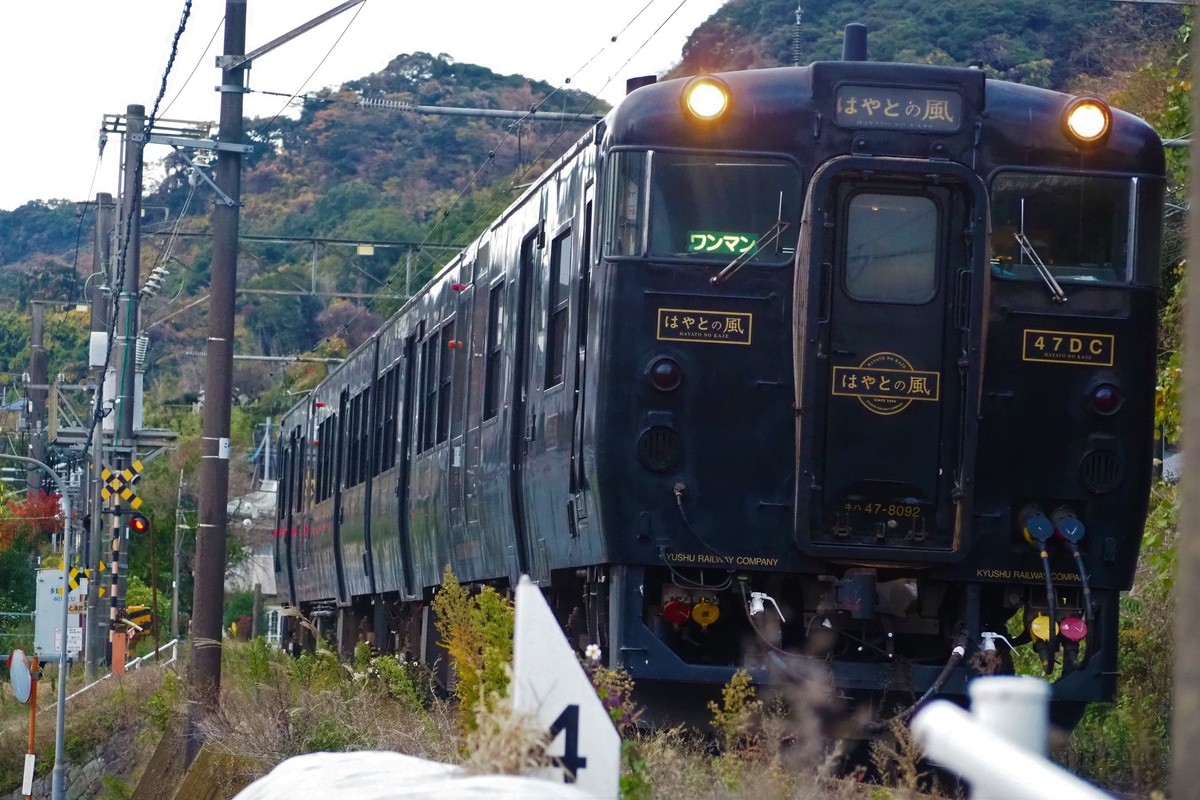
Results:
x,y
637,83
854,45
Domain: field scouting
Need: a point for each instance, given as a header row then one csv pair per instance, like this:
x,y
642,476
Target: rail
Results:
x,y
132,665
15,614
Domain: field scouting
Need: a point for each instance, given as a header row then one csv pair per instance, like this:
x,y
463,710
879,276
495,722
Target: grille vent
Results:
x,y
659,448
1101,471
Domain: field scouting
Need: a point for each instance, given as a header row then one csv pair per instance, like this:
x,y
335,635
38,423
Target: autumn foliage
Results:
x,y
24,520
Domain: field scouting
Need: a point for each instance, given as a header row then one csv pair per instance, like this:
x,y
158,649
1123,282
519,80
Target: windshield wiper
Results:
x,y
743,259
1056,292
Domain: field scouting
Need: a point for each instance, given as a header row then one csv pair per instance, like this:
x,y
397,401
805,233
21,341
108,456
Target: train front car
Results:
x,y
855,412
1066,432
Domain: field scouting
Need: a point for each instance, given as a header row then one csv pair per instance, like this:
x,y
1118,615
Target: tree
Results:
x,y
27,519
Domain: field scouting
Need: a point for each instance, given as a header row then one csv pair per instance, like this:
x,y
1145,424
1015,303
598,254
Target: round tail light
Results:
x,y
665,374
1106,399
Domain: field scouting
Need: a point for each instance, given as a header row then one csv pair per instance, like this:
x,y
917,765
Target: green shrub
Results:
x,y
403,681
736,718
258,660
161,705
319,670
477,631
113,788
332,736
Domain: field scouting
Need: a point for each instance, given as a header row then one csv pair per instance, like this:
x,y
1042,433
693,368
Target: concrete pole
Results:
x,y
175,572
38,380
97,624
1185,721
209,595
125,348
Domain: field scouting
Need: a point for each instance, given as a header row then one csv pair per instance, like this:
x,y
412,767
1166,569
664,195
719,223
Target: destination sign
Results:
x,y
721,243
899,108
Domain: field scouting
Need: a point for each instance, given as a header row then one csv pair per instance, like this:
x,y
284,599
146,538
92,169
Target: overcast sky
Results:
x,y
67,63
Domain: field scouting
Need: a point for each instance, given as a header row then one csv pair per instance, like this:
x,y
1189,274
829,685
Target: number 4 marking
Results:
x,y
570,760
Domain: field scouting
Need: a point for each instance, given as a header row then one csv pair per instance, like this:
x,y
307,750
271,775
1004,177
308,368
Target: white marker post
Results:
x,y
549,681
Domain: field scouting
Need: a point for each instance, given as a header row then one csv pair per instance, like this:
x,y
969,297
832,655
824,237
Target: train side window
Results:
x,y
561,268
301,473
448,347
364,434
429,387
392,410
323,440
1080,226
352,441
891,248
381,412
495,347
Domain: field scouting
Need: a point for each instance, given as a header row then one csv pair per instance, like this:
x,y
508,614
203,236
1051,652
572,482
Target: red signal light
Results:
x,y
138,523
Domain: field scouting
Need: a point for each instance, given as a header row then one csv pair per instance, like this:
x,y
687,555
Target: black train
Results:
x,y
851,363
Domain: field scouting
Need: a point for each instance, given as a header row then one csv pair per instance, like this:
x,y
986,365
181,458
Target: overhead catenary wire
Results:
x,y
199,61
439,223
324,58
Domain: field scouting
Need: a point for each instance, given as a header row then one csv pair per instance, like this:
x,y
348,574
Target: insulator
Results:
x,y
143,344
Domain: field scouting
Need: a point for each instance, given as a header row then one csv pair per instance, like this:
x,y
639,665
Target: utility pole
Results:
x,y
208,599
125,351
37,391
97,628
175,572
1185,721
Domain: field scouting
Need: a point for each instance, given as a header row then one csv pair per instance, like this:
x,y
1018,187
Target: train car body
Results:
x,y
855,370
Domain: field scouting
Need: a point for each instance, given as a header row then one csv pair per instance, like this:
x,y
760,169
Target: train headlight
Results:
x,y
1087,121
706,98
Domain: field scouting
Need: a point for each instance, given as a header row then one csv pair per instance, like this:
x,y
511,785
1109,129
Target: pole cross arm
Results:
x,y
231,62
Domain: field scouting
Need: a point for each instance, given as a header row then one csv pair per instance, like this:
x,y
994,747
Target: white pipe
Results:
x,y
953,738
1015,707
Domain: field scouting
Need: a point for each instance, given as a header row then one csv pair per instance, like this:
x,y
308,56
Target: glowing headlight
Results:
x,y
706,98
1088,121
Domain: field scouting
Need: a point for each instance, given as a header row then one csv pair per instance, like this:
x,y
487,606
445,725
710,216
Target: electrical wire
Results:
x,y
1052,610
98,412
320,63
1083,580
687,583
79,228
956,656
199,61
488,161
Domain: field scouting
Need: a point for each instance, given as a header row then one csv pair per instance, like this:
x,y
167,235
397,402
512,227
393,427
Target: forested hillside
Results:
x,y
1051,43
345,171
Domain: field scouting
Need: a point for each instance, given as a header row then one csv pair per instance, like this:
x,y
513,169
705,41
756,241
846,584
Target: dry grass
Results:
x,y
113,707
274,707
505,741
273,710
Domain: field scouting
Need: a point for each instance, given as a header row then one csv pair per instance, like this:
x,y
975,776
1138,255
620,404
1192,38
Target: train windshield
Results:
x,y
1078,226
702,207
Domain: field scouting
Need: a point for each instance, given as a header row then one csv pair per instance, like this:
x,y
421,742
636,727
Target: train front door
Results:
x,y
895,364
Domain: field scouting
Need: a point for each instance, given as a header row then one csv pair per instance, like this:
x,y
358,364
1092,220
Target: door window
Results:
x,y
891,248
